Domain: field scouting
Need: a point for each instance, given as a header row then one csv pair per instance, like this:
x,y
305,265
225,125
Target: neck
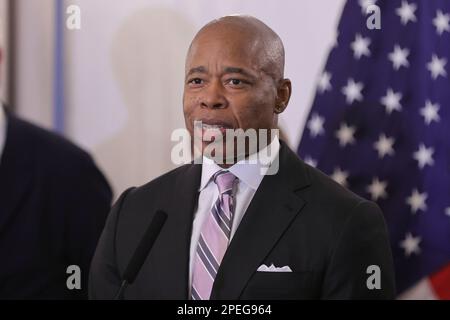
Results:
x,y
227,162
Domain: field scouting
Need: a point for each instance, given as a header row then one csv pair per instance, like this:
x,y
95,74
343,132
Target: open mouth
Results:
x,y
212,129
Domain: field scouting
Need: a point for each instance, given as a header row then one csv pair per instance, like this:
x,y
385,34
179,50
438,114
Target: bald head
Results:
x,y
262,45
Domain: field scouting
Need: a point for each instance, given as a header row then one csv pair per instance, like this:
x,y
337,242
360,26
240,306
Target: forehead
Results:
x,y
225,46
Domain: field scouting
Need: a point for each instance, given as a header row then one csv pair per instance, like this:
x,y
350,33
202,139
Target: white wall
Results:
x,y
4,49
124,73
34,60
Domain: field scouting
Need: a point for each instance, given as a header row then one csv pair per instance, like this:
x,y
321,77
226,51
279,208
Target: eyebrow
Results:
x,y
226,70
200,69
238,70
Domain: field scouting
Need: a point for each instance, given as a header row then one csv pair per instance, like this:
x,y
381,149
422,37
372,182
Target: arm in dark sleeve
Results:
x,y
88,203
363,242
104,278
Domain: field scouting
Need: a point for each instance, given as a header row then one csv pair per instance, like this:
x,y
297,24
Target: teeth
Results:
x,y
209,127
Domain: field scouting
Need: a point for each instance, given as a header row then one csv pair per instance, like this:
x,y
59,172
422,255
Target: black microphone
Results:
x,y
141,253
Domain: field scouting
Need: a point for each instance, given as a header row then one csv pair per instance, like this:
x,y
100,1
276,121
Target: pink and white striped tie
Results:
x,y
214,238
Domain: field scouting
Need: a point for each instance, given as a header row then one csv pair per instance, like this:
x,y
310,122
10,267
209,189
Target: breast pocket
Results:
x,y
280,285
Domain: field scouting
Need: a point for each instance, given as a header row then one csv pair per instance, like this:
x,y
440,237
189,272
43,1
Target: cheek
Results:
x,y
189,103
188,112
256,112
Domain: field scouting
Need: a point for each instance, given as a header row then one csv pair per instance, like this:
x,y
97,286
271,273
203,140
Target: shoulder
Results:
x,y
161,193
51,152
43,140
338,206
328,202
315,186
164,183
324,186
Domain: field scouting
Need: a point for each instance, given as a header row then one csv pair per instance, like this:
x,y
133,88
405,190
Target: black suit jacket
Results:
x,y
53,205
299,218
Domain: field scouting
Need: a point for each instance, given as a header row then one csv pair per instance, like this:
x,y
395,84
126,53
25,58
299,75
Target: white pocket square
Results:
x,y
272,268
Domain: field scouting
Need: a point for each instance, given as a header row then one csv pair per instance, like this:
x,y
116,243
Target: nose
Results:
x,y
213,96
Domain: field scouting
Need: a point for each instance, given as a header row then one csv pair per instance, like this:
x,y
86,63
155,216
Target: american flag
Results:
x,y
380,125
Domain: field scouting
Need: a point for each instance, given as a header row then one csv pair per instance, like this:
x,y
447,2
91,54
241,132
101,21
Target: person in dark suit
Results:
x,y
53,206
244,230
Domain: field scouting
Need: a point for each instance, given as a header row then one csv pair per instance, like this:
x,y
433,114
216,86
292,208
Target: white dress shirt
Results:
x,y
2,130
250,176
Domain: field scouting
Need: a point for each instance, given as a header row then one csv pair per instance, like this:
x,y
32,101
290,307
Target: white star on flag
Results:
x,y
424,156
360,46
315,125
377,189
442,22
392,101
324,82
340,176
312,162
417,201
437,67
430,112
345,135
407,12
399,57
365,4
410,244
447,211
384,146
352,91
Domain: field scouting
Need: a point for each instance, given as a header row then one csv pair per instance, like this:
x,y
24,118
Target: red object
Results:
x,y
441,283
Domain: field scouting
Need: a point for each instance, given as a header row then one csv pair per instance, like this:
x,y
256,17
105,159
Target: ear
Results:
x,y
284,91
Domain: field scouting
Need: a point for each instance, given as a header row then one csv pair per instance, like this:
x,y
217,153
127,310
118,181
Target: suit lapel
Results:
x,y
15,170
273,208
181,214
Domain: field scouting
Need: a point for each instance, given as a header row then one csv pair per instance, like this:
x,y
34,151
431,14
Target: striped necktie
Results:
x,y
214,237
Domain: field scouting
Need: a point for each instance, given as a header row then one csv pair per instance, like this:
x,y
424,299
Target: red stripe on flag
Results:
x,y
441,283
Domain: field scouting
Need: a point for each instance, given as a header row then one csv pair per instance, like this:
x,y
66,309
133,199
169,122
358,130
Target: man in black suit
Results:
x,y
53,205
242,230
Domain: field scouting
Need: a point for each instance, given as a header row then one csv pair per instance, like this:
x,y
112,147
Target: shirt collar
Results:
x,y
250,171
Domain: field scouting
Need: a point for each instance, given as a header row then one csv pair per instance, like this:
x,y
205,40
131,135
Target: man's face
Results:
x,y
225,84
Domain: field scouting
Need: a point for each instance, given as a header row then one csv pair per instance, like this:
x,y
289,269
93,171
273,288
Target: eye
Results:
x,y
235,82
195,81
